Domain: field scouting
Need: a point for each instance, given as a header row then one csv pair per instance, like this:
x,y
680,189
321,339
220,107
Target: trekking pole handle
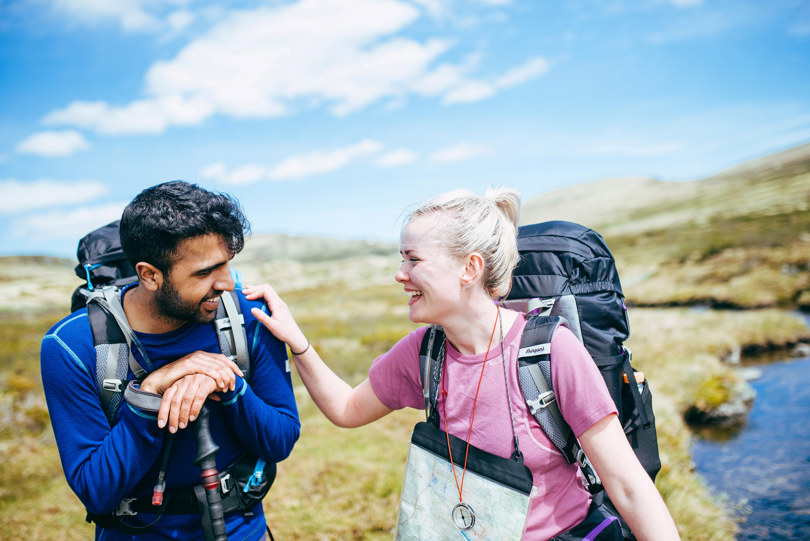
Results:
x,y
206,460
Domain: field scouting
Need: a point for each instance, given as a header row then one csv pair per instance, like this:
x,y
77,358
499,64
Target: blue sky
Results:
x,y
333,117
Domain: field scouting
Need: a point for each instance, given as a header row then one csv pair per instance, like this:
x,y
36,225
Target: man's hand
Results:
x,y
221,370
183,400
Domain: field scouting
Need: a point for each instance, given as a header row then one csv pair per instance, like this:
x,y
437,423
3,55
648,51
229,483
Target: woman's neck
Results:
x,y
470,333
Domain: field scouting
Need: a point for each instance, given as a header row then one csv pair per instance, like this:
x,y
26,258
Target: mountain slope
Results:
x,y
740,238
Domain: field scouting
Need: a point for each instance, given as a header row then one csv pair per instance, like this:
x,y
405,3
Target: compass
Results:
x,y
463,516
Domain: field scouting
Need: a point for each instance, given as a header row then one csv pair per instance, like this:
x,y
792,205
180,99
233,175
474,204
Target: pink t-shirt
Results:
x,y
559,500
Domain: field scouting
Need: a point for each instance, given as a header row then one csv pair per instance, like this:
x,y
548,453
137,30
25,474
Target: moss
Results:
x,y
714,391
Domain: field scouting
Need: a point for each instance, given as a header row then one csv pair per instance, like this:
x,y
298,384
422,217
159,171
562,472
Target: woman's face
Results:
x,y
430,275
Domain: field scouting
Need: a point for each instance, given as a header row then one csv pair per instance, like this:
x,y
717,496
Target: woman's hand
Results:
x,y
279,321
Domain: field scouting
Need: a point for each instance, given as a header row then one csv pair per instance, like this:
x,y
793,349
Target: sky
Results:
x,y
335,117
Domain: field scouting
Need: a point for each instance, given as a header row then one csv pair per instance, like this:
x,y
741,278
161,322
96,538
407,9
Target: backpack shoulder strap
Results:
x,y
534,375
431,360
230,325
112,340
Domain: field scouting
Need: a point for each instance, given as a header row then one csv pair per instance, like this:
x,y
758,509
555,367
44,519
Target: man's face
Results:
x,y
192,287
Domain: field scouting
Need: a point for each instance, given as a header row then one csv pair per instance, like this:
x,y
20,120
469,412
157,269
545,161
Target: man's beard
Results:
x,y
172,306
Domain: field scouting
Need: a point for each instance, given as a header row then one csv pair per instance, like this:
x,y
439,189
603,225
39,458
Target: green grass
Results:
x,y
344,484
746,262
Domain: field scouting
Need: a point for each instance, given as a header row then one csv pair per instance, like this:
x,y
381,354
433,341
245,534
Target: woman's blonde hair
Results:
x,y
486,225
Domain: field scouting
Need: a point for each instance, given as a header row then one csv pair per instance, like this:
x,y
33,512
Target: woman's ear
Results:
x,y
149,276
473,269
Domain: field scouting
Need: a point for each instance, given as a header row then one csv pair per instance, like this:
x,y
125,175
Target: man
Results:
x,y
180,239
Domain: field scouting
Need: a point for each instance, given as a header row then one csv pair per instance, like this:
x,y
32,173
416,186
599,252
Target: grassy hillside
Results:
x,y
740,238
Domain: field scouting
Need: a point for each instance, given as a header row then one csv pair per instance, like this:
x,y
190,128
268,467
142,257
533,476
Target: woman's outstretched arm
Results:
x,y
343,405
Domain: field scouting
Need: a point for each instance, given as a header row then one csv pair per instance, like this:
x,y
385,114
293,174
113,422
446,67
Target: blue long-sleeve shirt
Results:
x,y
105,464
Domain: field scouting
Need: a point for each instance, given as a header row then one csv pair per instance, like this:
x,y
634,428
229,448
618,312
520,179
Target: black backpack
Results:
x,y
101,263
567,276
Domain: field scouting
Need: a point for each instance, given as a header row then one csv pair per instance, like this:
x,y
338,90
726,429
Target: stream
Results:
x,y
763,468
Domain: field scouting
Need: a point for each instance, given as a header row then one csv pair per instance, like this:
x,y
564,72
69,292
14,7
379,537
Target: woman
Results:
x,y
458,252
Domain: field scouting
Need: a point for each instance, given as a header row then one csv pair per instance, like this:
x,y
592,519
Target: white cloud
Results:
x,y
242,175
342,55
313,163
143,116
131,15
68,224
398,157
53,143
294,167
180,20
214,171
458,153
21,196
470,91
531,69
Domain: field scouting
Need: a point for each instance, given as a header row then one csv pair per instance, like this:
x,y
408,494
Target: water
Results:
x,y
764,469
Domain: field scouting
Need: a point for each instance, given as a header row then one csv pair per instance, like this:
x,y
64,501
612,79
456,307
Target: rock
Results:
x,y
750,374
728,414
801,350
732,357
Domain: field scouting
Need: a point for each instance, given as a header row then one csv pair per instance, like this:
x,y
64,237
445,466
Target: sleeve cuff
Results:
x,y
230,397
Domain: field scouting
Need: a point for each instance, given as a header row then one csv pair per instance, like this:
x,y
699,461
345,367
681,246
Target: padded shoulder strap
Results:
x,y
431,360
112,339
534,375
231,334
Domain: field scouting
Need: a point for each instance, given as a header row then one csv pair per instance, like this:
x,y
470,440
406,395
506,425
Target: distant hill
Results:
x,y
775,183
740,238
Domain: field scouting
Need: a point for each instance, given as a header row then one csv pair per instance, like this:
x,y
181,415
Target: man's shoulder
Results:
x,y
72,325
246,305
70,336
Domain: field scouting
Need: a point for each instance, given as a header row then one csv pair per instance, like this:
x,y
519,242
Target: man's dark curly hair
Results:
x,y
160,217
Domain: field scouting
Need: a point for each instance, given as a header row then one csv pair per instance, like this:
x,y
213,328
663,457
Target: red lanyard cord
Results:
x,y
460,487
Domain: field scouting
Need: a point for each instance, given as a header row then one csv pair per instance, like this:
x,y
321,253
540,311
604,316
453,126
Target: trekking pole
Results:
x,y
206,460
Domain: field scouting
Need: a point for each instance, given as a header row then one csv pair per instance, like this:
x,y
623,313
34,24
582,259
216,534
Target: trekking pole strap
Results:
x,y
141,399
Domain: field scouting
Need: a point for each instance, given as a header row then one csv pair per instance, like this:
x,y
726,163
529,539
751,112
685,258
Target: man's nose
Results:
x,y
224,281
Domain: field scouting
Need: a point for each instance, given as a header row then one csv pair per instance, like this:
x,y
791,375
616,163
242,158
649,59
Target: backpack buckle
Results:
x,y
124,508
582,460
540,305
224,484
113,385
542,402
